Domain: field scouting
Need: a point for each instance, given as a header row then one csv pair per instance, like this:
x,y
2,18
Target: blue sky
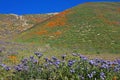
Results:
x,y
39,6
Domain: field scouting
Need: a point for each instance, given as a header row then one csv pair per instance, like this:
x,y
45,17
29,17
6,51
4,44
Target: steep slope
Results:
x,y
11,24
90,27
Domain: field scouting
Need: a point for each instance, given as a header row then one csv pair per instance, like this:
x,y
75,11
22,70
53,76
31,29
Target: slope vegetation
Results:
x,y
90,27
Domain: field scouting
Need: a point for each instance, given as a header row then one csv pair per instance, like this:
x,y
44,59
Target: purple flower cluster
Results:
x,y
91,74
23,66
33,60
103,64
7,68
71,62
102,75
38,54
18,68
83,57
78,66
24,61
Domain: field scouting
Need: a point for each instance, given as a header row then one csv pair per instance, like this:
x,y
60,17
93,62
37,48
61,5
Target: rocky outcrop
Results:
x,y
11,24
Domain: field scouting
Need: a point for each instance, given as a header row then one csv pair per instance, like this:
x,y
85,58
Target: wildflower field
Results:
x,y
68,67
80,43
91,27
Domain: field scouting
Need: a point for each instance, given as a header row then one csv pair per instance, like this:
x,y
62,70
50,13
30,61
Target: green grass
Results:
x,y
89,28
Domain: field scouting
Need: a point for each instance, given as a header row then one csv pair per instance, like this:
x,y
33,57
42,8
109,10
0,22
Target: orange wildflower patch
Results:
x,y
58,33
57,22
67,12
116,23
64,12
118,9
42,32
111,22
101,16
114,78
60,19
13,58
52,24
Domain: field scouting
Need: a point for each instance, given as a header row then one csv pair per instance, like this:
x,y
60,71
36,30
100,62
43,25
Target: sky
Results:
x,y
21,7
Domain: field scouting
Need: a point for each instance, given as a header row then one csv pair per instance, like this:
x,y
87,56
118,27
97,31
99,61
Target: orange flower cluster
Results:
x,y
114,78
65,12
42,32
101,16
118,9
13,58
57,33
58,21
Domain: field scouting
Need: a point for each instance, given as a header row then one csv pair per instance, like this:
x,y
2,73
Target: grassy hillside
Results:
x,y
90,27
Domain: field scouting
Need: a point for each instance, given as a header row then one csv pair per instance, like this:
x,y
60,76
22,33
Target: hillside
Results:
x,y
89,27
11,24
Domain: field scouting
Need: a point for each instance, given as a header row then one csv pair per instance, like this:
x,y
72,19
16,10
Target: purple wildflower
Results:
x,y
35,61
36,53
54,58
118,61
18,68
71,62
115,62
90,75
24,61
110,63
92,62
81,77
46,59
25,68
102,75
31,57
3,65
57,62
7,68
83,57
116,69
39,55
97,60
50,62
105,66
